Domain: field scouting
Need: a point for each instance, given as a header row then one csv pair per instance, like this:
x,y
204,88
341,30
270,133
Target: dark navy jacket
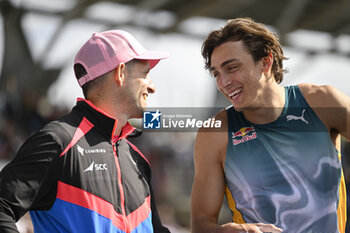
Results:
x,y
75,176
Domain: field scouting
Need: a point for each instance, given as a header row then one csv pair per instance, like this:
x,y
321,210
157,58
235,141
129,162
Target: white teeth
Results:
x,y
235,92
145,97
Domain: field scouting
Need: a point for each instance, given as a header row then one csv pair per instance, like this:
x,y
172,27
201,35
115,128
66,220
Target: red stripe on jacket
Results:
x,y
84,127
90,201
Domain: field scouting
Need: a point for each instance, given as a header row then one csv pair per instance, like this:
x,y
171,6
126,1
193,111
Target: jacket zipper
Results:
x,y
120,184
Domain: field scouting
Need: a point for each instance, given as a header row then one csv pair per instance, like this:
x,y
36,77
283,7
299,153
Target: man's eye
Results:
x,y
230,68
214,74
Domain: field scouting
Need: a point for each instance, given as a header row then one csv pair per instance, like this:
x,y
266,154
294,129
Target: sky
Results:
x,y
180,80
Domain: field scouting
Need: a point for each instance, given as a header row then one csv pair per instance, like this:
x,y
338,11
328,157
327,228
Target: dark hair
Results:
x,y
257,39
97,82
80,71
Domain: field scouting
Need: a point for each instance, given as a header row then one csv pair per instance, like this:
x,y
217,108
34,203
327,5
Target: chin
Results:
x,y
135,112
237,107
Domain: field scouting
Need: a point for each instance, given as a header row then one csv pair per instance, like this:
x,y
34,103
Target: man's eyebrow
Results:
x,y
223,64
228,61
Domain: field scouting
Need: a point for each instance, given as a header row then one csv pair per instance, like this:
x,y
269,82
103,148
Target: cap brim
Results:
x,y
153,57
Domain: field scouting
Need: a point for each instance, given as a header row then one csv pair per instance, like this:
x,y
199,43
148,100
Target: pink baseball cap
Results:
x,y
105,50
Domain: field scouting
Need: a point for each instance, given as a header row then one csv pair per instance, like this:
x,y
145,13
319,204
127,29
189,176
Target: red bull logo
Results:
x,y
243,135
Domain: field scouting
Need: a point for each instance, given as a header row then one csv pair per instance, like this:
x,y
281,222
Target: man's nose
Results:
x,y
151,88
225,80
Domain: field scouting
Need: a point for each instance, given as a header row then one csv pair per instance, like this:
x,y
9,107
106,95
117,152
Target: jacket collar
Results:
x,y
103,122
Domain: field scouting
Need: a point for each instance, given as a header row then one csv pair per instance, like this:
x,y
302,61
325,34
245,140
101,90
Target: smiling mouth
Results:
x,y
145,96
233,95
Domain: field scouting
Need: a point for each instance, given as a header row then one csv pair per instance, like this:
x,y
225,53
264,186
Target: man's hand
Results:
x,y
249,228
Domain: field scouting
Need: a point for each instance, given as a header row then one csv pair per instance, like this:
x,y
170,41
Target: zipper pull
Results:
x,y
115,147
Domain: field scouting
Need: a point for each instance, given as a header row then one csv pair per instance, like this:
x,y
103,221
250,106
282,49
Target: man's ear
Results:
x,y
120,74
267,62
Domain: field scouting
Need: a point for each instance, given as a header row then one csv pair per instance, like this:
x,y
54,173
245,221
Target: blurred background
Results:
x,y
39,39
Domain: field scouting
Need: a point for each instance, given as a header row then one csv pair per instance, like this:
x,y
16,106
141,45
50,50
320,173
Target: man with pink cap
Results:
x,y
80,173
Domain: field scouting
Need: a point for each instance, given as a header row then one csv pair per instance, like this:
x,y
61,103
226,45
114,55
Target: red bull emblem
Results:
x,y
243,135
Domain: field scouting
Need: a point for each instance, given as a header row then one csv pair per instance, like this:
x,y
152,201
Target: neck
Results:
x,y
121,123
271,103
115,112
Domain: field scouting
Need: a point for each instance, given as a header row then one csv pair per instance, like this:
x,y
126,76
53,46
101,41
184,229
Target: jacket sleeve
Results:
x,y
147,173
157,224
29,181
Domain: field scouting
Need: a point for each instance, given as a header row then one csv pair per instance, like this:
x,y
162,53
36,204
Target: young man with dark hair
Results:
x,y
277,158
80,173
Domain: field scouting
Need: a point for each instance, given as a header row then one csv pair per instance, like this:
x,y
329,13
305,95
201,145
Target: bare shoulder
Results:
x,y
213,132
331,105
319,96
212,142
209,180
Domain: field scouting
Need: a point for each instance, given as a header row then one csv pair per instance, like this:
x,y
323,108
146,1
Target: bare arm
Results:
x,y
209,184
331,105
